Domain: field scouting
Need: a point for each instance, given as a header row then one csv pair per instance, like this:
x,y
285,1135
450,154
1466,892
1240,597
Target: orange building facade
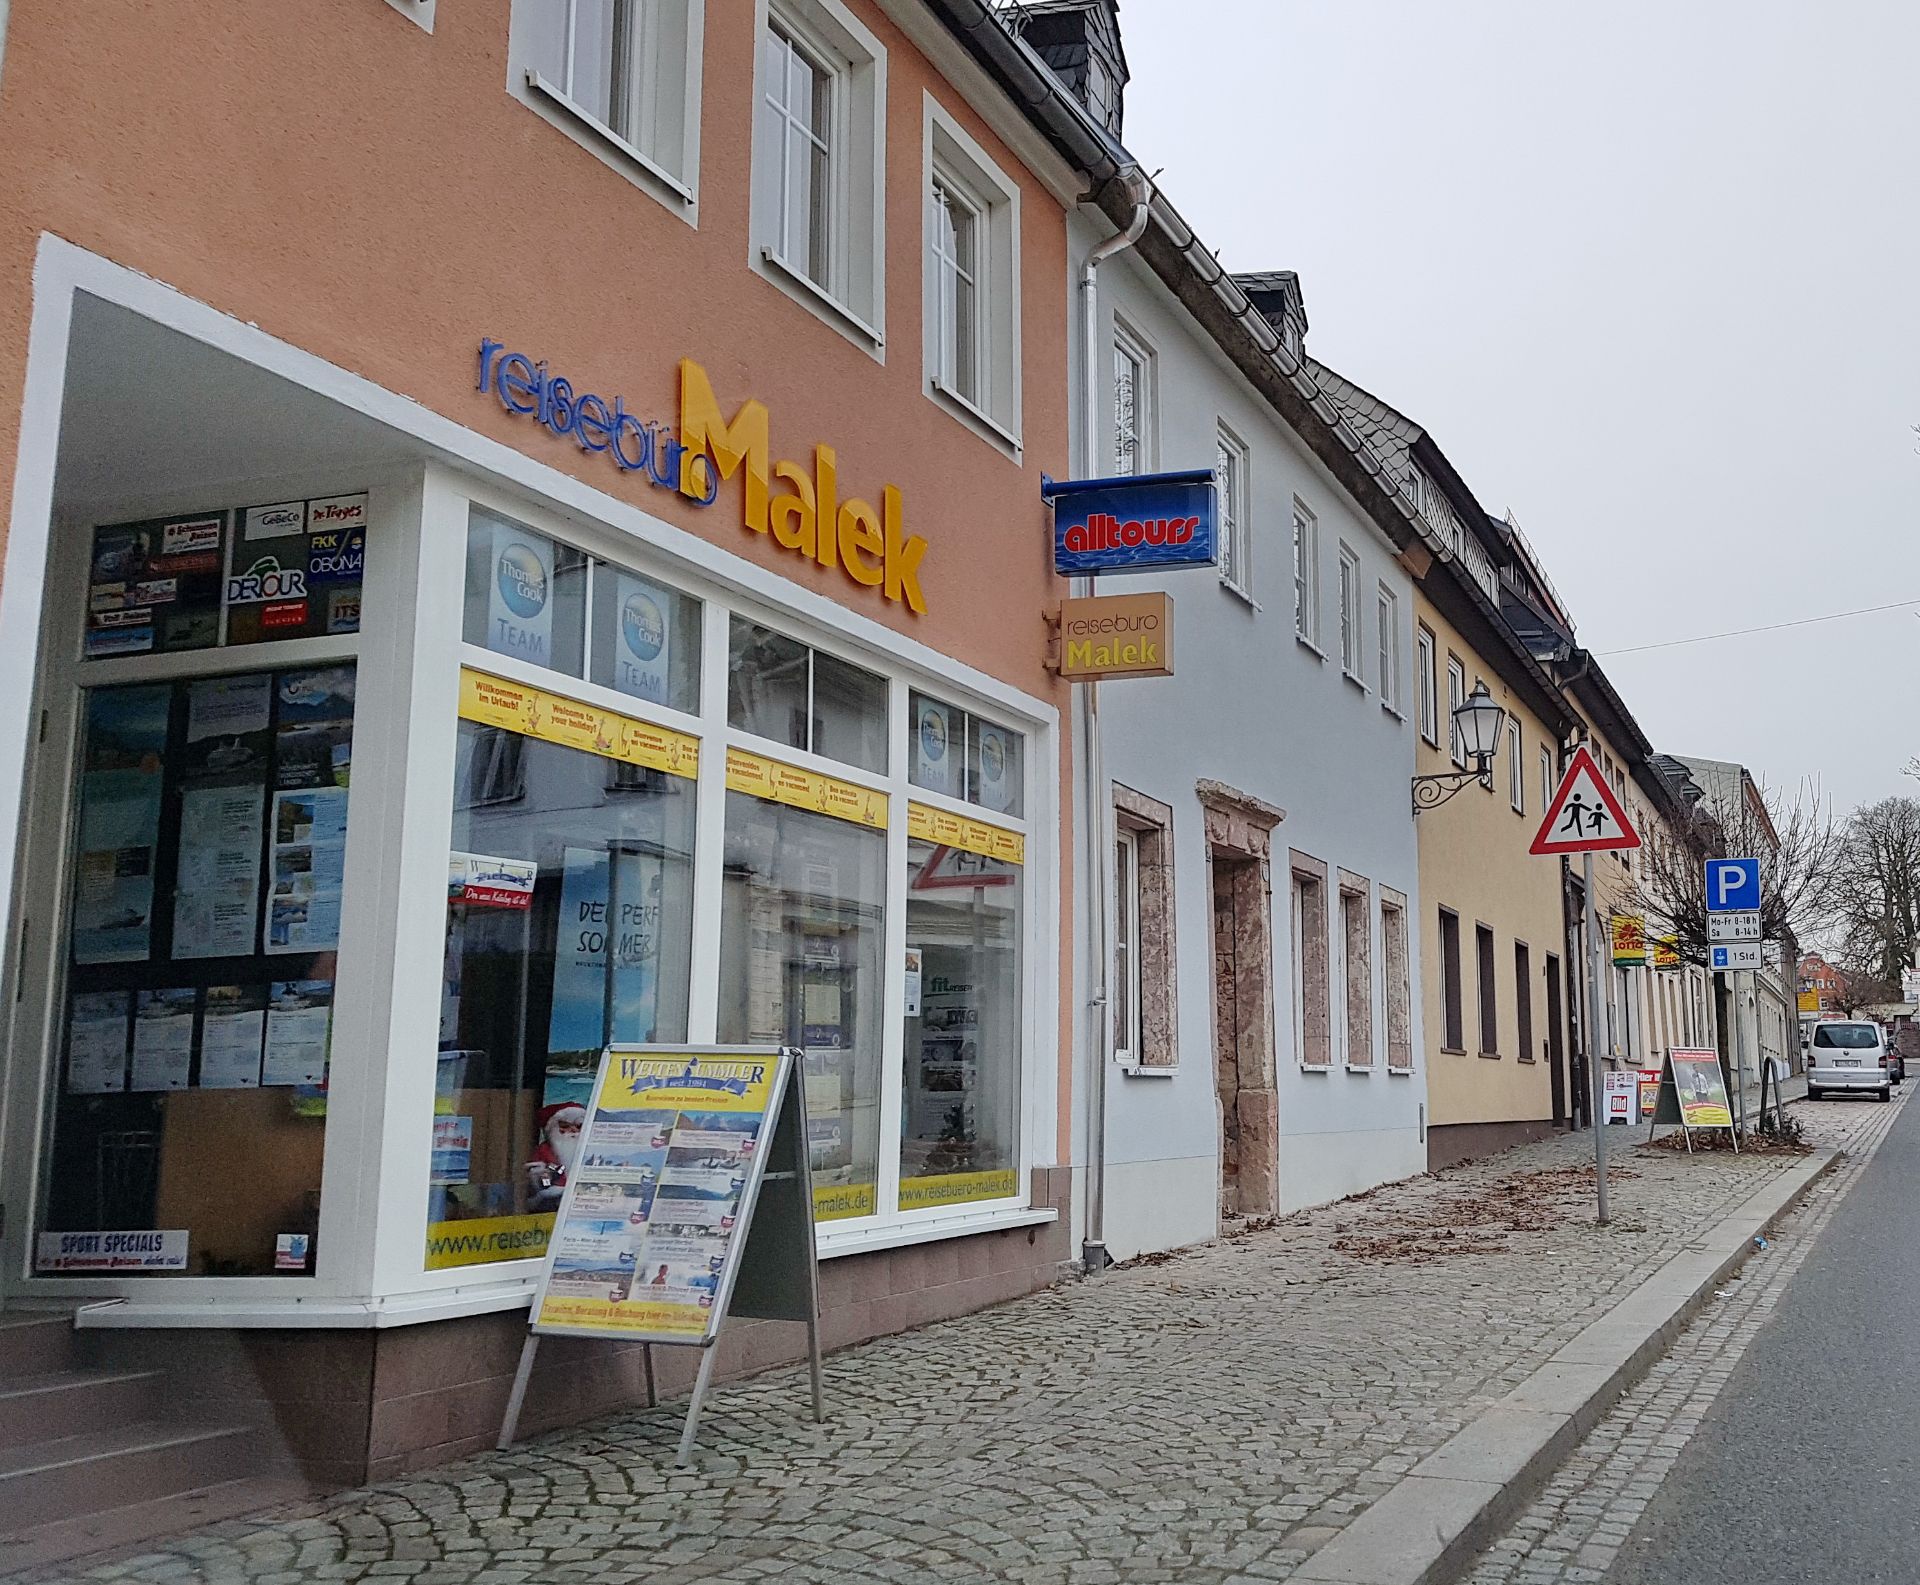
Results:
x,y
523,531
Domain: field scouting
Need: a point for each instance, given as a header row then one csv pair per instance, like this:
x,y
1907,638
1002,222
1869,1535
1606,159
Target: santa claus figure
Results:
x,y
554,1155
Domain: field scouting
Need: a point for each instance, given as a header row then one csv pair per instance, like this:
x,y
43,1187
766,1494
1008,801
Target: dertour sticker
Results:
x,y
267,580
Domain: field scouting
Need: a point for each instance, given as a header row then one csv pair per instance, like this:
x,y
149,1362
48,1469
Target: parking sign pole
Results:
x,y
1596,1102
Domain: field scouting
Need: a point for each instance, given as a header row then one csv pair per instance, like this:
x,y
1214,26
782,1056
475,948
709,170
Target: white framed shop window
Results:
x,y
383,1111
971,293
622,78
819,164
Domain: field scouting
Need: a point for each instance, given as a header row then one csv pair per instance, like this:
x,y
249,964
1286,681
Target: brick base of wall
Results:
x,y
1449,1144
342,1408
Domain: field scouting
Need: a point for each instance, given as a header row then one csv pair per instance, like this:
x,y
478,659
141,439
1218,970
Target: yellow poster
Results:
x,y
554,718
780,783
1809,1001
1666,952
479,1240
961,831
956,1188
649,1223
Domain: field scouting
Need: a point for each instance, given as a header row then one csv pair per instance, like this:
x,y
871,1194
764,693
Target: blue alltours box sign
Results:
x,y
1132,523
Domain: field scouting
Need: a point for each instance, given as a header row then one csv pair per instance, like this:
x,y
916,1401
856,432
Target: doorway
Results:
x,y
1556,1043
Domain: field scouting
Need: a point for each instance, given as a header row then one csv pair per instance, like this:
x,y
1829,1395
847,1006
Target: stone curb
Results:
x,y
1432,1525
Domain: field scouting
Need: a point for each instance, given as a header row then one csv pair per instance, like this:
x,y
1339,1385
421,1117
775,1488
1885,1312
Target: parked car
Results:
x,y
1849,1055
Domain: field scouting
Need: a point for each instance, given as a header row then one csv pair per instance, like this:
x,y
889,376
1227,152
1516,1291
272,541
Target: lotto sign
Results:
x,y
1584,816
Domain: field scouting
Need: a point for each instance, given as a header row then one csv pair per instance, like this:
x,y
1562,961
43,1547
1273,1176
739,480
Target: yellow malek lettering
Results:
x,y
793,515
725,447
902,553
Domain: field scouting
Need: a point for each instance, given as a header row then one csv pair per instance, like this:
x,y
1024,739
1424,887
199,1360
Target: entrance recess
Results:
x,y
1237,829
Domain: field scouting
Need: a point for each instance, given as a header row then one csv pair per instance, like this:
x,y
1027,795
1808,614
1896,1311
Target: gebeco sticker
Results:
x,y
266,579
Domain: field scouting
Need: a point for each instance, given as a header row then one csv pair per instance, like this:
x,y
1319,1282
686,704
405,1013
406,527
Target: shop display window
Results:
x,y
802,940
541,601
569,926
209,861
288,569
960,1097
783,690
965,756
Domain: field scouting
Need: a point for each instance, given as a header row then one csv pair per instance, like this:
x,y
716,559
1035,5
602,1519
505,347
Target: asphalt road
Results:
x,y
1807,1469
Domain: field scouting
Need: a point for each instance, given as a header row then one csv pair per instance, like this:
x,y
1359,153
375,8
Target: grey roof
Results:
x,y
1388,431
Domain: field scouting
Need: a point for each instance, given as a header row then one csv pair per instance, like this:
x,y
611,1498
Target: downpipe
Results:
x,y
1099,843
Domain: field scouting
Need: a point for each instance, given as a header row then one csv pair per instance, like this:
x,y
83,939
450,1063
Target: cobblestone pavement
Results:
x,y
1572,1533
1211,1417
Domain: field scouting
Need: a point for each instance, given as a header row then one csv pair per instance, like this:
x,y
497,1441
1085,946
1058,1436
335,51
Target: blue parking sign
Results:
x,y
1733,886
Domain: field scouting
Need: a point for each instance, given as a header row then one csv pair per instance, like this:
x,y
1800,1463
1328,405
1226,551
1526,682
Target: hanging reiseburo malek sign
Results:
x,y
690,1201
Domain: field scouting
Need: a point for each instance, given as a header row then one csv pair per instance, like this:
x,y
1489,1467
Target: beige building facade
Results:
x,y
1492,923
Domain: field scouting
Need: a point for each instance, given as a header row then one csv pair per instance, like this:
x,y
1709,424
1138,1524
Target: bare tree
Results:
x,y
1797,846
1876,893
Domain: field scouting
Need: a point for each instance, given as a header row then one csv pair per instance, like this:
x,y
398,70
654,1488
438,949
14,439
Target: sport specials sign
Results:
x,y
650,1235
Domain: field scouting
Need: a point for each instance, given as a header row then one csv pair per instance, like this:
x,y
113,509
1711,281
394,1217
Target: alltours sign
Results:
x,y
1134,523
1124,635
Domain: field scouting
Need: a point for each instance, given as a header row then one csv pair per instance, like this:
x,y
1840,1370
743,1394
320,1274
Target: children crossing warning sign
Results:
x,y
1584,815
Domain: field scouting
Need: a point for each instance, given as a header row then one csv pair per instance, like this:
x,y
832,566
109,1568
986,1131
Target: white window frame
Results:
x,y
1547,778
1426,649
1306,576
1456,696
853,297
661,157
954,162
1352,629
1233,470
1129,345
1387,613
1126,969
1516,772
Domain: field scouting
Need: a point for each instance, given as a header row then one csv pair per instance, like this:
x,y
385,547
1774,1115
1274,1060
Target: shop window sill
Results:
x,y
1242,594
1489,1056
1316,1067
1394,711
1453,1051
895,1235
1145,1070
1359,1067
1308,644
968,412
1400,1073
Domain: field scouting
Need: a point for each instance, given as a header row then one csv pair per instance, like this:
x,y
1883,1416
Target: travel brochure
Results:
x,y
649,1223
276,1035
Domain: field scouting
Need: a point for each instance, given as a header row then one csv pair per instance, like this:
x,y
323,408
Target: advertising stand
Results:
x,y
1693,1093
691,1201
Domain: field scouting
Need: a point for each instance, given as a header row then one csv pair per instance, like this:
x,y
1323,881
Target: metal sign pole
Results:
x,y
1596,1101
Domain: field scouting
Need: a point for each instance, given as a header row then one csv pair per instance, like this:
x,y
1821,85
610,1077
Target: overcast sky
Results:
x,y
1650,276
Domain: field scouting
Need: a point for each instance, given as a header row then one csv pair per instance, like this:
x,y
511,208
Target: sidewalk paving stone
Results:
x,y
1217,1415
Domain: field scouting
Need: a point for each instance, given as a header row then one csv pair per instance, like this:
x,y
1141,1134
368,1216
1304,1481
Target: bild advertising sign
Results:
x,y
1132,523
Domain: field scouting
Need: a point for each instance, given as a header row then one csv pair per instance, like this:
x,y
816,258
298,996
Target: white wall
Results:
x,y
1252,707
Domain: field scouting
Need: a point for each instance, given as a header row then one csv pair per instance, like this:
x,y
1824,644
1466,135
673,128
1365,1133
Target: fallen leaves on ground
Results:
x,y
1479,1220
1710,1139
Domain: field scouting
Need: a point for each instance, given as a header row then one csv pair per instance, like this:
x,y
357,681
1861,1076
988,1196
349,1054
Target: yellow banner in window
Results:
x,y
962,831
954,1188
480,1240
833,1201
554,718
761,777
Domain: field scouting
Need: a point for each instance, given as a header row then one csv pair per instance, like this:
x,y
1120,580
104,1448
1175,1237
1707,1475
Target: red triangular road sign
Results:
x,y
1584,815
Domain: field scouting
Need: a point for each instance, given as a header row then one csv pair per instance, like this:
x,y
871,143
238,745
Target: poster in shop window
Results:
x,y
233,1026
937,746
654,1213
299,1030
216,896
163,1038
520,594
120,801
97,1042
996,767
309,837
592,924
644,650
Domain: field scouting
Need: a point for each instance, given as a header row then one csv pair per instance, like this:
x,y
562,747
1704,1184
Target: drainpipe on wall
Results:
x,y
1099,870
5,8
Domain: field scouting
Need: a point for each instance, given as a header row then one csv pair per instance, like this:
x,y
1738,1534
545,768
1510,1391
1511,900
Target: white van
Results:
x,y
1848,1055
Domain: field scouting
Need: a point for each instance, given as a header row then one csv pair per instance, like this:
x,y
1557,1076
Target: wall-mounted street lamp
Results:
x,y
1477,724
